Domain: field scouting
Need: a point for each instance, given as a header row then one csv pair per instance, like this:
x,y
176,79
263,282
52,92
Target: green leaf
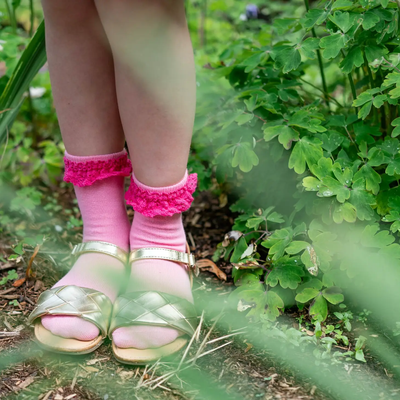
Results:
x,y
307,150
392,79
296,246
274,303
314,17
365,110
340,4
331,140
332,187
372,178
394,165
346,212
32,59
287,274
353,59
332,45
379,100
370,19
309,46
244,118
343,20
287,59
319,308
286,135
303,119
254,222
363,98
373,52
310,260
333,295
306,295
362,200
240,248
244,157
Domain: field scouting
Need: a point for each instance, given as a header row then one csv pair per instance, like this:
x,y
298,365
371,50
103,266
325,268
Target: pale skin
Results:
x,y
124,69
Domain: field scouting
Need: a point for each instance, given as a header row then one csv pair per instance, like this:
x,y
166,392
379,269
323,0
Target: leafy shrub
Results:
x,y
305,143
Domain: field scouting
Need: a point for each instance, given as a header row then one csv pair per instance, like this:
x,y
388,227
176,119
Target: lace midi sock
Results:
x,y
99,188
157,223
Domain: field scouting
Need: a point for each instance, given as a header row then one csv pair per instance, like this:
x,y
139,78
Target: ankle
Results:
x,y
167,232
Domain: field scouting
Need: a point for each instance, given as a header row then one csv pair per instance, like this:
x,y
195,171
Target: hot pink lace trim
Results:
x,y
161,202
86,173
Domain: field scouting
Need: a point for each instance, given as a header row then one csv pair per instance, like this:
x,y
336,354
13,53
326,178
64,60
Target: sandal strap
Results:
x,y
101,247
159,253
88,304
153,309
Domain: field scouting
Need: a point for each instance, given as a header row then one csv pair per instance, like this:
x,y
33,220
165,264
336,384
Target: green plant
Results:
x,y
11,276
308,128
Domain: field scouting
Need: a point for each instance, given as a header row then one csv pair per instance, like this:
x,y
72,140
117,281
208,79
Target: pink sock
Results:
x,y
157,223
99,188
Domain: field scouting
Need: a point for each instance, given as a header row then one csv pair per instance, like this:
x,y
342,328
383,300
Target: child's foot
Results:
x,y
157,275
104,219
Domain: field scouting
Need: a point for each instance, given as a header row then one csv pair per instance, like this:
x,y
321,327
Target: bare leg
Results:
x,y
82,76
156,85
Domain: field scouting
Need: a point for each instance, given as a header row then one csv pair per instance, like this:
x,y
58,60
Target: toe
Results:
x,y
70,327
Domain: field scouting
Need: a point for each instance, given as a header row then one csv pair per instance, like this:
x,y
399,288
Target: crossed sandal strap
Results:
x,y
101,247
88,304
154,309
159,253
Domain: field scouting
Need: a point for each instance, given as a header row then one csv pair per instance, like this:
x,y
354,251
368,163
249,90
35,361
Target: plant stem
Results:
x,y
320,64
11,16
352,86
32,10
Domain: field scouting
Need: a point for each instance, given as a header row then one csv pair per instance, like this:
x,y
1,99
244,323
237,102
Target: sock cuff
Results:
x,y
161,201
85,170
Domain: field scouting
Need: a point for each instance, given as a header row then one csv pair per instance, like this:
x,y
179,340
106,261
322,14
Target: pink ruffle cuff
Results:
x,y
166,201
84,171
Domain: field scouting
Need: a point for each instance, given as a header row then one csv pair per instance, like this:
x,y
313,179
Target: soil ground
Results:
x,y
235,371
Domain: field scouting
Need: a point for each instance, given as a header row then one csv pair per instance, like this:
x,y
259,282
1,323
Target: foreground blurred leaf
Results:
x,y
32,59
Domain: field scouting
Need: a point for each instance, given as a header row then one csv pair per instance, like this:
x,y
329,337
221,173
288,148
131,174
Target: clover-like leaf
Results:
x,y
362,200
306,151
346,212
296,247
354,58
287,58
333,295
370,19
314,17
286,134
306,295
244,157
344,20
319,308
274,305
372,178
342,4
309,46
332,44
286,272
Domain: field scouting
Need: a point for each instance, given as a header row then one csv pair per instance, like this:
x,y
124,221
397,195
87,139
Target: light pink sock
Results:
x,y
99,188
157,223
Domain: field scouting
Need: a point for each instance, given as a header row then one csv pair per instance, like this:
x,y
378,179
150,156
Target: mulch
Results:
x,y
235,371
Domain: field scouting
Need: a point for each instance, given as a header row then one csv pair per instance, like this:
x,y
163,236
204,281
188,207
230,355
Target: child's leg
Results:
x,y
82,75
156,95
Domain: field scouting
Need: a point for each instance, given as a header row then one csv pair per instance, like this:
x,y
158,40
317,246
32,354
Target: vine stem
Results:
x,y
320,64
32,11
11,15
352,85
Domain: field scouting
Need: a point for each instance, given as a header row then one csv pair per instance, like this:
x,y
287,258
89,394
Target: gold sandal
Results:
x,y
88,304
155,309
